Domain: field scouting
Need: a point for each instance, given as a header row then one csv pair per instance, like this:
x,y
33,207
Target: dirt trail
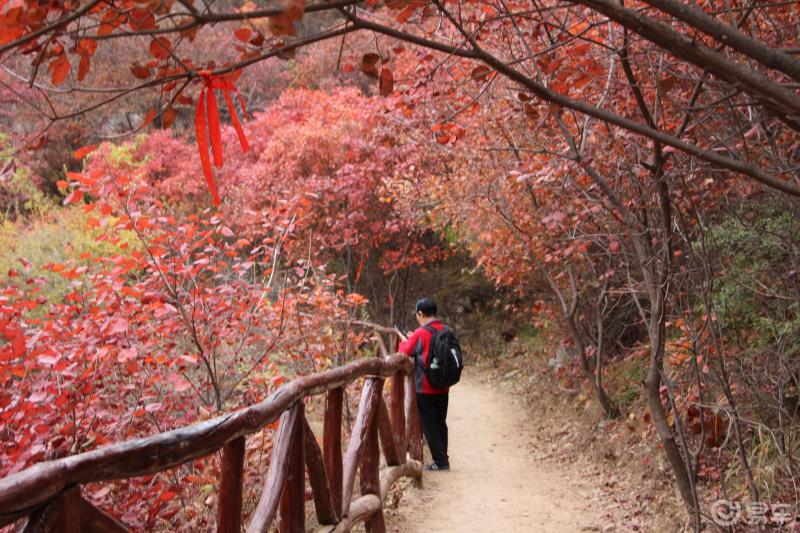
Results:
x,y
495,485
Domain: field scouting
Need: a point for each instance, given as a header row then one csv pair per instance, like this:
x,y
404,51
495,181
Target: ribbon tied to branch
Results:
x,y
208,112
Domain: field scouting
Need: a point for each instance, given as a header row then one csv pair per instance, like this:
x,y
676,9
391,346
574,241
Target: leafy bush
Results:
x,y
626,379
19,193
757,302
758,255
63,237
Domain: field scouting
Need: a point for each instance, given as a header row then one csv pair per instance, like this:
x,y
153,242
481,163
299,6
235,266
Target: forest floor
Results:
x,y
513,470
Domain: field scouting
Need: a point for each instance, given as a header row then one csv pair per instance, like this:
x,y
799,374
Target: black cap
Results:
x,y
426,306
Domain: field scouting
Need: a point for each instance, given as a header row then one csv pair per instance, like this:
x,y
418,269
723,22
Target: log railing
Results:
x,y
48,495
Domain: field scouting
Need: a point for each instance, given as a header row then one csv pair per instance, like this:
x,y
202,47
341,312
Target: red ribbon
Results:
x,y
207,111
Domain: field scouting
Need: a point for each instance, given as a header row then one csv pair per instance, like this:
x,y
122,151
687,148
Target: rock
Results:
x,y
509,375
565,354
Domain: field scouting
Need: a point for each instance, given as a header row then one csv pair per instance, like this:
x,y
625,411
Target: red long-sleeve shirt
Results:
x,y
418,346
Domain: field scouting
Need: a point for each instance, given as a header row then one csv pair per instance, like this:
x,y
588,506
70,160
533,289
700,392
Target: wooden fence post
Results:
x,y
327,513
95,520
61,515
370,477
229,513
412,424
332,445
367,408
393,456
397,414
264,513
293,500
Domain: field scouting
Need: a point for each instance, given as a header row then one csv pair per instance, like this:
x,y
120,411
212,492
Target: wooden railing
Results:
x,y
48,495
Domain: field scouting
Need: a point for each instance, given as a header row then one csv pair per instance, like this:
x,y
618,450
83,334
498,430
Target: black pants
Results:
x,y
433,418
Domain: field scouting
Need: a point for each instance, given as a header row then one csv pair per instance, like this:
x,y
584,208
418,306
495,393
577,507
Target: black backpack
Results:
x,y
444,365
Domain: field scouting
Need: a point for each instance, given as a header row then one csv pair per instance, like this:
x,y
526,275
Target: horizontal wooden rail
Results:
x,y
40,492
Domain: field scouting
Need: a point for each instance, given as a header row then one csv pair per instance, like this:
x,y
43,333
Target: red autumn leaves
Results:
x,y
11,333
369,66
283,24
60,67
160,48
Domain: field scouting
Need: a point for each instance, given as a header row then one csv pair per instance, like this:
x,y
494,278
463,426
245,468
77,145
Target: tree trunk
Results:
x,y
608,405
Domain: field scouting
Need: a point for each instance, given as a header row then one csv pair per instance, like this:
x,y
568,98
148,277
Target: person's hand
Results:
x,y
400,334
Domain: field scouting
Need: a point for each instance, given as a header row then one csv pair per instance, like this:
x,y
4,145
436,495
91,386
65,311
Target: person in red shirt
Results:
x,y
431,402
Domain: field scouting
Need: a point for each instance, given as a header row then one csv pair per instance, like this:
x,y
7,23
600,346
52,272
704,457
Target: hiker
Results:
x,y
431,401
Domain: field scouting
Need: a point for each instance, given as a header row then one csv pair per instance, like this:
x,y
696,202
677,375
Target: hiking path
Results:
x,y
496,484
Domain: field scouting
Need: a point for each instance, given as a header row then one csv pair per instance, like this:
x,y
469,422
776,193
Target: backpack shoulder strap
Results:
x,y
430,329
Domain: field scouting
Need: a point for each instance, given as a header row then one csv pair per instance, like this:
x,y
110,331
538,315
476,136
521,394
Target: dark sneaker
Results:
x,y
434,466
